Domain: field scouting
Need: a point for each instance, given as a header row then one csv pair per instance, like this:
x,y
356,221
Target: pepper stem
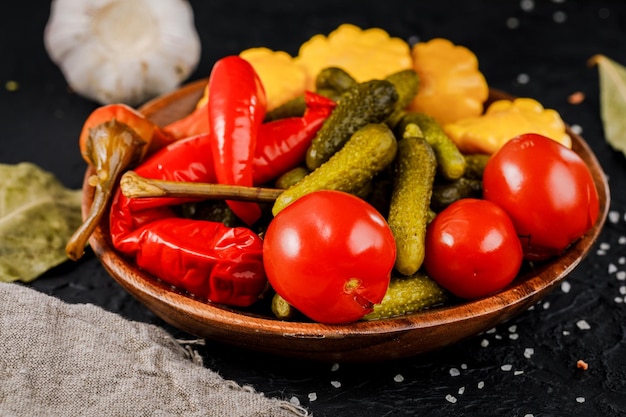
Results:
x,y
112,147
135,186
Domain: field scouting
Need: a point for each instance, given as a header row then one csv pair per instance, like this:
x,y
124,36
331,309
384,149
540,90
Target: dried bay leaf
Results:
x,y
37,217
612,100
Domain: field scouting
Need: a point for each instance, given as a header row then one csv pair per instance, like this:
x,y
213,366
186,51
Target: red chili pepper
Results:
x,y
237,106
282,144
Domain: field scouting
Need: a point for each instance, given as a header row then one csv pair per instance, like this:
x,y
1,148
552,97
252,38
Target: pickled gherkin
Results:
x,y
367,102
415,168
406,295
406,83
368,151
450,161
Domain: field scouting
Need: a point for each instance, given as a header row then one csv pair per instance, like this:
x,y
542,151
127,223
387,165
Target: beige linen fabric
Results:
x,y
60,359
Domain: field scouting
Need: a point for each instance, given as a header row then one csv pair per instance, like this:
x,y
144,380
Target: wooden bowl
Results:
x,y
362,341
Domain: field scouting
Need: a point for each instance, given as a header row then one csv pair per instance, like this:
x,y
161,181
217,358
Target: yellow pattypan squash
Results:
x,y
364,54
282,78
503,120
451,85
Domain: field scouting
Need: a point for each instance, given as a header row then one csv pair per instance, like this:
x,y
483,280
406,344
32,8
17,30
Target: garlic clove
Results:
x,y
123,51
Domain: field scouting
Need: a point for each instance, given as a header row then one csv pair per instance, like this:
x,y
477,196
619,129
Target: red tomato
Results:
x,y
546,189
472,249
330,255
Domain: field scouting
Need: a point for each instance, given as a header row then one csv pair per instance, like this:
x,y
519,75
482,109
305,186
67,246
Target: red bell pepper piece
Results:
x,y
237,106
282,144
195,123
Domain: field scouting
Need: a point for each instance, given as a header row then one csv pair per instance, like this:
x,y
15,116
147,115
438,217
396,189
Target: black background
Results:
x,y
534,49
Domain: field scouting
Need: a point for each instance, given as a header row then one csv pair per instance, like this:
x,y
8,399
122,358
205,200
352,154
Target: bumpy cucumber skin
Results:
x,y
406,83
450,161
368,102
334,78
406,295
291,177
415,169
446,193
368,151
476,163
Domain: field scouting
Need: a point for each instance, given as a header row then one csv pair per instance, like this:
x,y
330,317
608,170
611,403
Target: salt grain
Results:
x,y
583,325
621,260
622,290
484,343
335,384
512,329
621,275
605,246
463,366
514,336
518,373
461,390
612,269
312,396
480,385
621,240
613,216
546,305
294,401
491,331
618,300
523,78
506,368
454,372
565,332
527,5
512,22
528,352
334,367
580,400
451,398
529,415
565,287
559,17
398,378
577,129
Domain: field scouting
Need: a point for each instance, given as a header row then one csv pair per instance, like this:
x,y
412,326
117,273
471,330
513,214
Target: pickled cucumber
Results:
x,y
368,102
406,295
415,169
406,83
446,193
281,308
450,161
291,177
334,79
475,165
367,152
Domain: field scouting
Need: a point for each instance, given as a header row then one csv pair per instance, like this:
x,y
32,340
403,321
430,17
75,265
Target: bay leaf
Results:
x,y
37,217
612,100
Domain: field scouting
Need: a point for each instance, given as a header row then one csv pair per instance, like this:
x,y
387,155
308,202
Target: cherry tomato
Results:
x,y
330,255
472,249
546,189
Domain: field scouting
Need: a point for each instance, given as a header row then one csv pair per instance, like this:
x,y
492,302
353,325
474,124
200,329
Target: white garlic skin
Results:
x,y
123,51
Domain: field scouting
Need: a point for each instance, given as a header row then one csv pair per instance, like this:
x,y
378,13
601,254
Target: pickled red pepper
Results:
x,y
210,260
237,107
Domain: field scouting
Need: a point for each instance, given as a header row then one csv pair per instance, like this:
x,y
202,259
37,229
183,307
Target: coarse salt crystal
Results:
x,y
484,343
622,290
461,390
612,269
512,329
618,300
559,17
621,275
506,367
565,286
512,22
565,332
614,216
605,246
518,373
580,400
583,325
513,336
454,372
312,396
621,260
294,401
451,398
334,367
577,129
528,352
398,378
527,5
335,384
480,385
523,78
463,366
621,240
546,305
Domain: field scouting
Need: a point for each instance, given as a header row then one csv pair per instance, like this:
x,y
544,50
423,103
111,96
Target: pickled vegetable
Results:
x,y
368,151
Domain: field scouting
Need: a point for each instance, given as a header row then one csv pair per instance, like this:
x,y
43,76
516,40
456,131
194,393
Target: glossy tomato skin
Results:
x,y
330,255
546,189
472,249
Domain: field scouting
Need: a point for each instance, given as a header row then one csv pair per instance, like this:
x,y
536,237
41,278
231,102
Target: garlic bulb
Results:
x,y
122,51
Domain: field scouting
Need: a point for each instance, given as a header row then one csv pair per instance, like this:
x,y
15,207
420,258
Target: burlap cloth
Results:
x,y
59,359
